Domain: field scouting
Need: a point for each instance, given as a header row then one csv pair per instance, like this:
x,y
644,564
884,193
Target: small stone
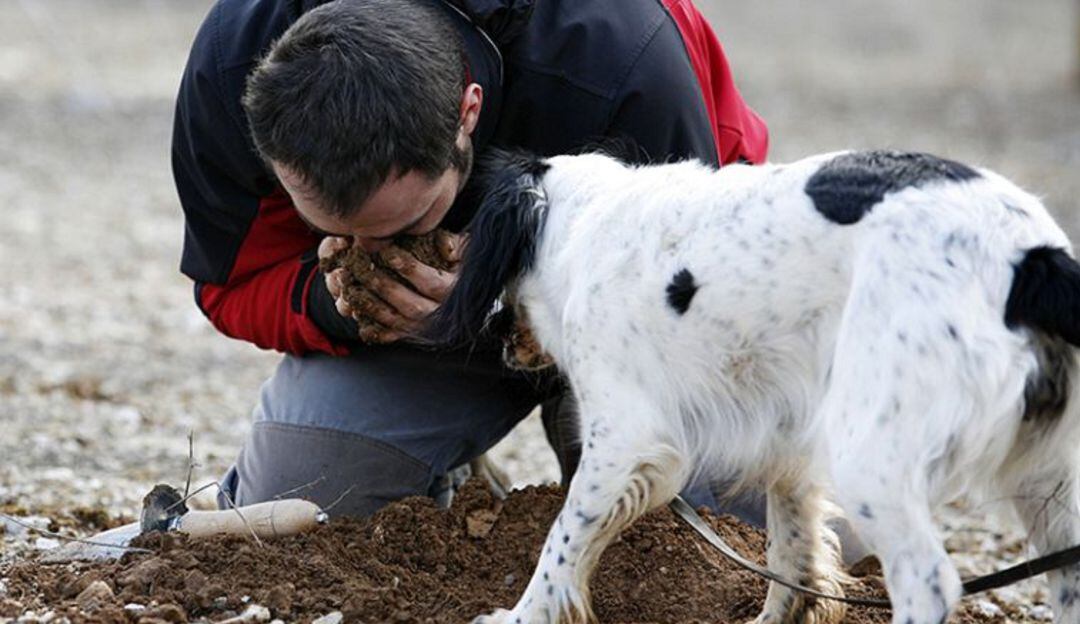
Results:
x,y
145,575
72,586
46,543
134,608
1041,613
509,579
478,523
334,617
96,595
168,612
254,613
987,608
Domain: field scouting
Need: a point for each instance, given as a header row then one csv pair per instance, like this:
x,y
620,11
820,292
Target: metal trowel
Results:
x,y
164,510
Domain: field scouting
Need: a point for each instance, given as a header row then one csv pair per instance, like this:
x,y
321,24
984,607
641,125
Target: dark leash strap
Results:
x,y
998,579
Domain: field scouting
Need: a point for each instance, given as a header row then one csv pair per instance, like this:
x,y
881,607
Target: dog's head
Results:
x,y
504,235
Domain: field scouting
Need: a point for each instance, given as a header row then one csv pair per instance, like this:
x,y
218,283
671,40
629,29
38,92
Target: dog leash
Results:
x,y
1008,576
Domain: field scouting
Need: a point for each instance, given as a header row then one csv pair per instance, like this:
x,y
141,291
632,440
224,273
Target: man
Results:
x,y
367,115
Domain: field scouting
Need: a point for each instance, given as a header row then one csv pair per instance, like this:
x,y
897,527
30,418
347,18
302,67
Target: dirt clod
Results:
x,y
362,267
95,595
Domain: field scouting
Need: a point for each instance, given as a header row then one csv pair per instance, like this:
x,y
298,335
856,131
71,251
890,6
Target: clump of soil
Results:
x,y
413,562
361,267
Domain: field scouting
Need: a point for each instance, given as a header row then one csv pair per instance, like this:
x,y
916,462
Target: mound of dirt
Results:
x,y
411,562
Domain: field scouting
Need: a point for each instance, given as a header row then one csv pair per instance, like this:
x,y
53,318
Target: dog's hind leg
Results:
x,y
627,467
804,549
890,429
1049,505
897,525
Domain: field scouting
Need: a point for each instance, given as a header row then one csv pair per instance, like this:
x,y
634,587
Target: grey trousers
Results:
x,y
388,422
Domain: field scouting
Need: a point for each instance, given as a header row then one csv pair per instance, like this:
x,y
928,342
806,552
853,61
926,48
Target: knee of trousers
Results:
x,y
354,473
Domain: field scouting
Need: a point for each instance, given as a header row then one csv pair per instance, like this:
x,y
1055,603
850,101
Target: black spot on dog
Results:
x,y
586,519
681,291
848,186
865,512
952,331
1045,294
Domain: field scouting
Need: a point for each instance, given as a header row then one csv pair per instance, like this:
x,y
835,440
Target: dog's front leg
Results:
x,y
802,548
628,466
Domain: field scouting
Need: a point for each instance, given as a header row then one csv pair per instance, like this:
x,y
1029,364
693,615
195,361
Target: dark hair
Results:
x,y
355,91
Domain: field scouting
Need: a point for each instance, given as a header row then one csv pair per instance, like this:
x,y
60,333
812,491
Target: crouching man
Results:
x,y
300,123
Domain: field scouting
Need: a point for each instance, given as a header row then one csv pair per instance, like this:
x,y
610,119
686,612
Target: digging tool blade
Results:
x,y
111,544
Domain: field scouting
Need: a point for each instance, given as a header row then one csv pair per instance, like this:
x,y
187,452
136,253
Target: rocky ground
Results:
x,y
106,365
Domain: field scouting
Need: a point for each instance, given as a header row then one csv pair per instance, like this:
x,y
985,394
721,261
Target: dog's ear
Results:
x,y
503,238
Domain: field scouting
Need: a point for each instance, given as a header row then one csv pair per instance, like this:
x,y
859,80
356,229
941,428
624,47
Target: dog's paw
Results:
x,y
499,616
799,608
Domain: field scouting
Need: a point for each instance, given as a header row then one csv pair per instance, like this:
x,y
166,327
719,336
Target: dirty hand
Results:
x,y
335,279
403,309
373,323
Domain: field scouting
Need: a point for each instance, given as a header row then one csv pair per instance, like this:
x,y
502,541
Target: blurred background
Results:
x,y
106,364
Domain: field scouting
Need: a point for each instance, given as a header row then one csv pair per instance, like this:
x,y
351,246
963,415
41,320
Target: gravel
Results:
x,y
106,365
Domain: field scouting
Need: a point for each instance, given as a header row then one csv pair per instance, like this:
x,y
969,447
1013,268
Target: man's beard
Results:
x,y
461,159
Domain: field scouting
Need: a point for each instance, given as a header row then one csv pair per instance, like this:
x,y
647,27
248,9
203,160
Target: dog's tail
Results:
x,y
503,238
1045,294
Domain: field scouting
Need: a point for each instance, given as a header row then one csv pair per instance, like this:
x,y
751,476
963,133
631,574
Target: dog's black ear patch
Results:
x,y
681,291
504,234
848,186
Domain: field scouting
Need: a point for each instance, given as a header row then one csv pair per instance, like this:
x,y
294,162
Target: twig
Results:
x,y
301,487
339,498
191,460
68,538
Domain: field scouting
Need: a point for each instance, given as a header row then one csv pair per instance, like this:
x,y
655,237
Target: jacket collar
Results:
x,y
502,20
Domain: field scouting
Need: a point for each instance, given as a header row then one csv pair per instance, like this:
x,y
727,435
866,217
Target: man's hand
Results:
x,y
386,309
406,309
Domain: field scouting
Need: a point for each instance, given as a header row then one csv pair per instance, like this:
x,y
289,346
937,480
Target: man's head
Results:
x,y
363,111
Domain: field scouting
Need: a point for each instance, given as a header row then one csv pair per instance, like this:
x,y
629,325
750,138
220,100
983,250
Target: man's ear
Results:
x,y
472,100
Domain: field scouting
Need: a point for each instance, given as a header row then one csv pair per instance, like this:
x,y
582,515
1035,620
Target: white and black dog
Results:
x,y
886,330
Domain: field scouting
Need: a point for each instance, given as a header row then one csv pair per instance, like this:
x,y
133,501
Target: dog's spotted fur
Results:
x,y
887,327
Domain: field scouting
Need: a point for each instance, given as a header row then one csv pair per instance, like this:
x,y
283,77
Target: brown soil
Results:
x,y
413,562
361,267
